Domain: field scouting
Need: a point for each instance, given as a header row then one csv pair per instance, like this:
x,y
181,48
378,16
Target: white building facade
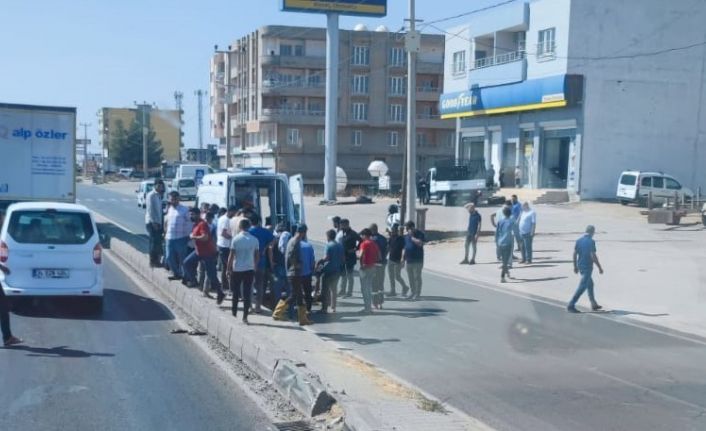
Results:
x,y
576,91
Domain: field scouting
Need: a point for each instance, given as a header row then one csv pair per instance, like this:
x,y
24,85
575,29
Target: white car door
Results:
x,y
296,188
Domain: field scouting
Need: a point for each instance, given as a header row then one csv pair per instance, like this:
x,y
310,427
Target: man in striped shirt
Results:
x,y
177,226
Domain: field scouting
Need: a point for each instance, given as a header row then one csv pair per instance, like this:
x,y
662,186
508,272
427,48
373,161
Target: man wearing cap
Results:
x,y
299,270
584,258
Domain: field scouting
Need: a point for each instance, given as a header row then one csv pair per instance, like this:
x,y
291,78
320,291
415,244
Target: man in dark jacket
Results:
x,y
349,240
379,277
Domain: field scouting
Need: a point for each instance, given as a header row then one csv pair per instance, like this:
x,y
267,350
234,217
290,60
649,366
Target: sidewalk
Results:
x,y
653,273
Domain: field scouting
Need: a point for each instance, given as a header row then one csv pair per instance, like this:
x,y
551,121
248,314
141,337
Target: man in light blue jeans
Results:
x,y
527,226
177,230
584,258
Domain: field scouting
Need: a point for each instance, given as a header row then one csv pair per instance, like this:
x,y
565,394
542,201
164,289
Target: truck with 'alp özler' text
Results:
x,y
38,144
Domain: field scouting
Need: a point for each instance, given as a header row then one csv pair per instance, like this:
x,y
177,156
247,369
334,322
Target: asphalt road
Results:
x,y
121,371
513,362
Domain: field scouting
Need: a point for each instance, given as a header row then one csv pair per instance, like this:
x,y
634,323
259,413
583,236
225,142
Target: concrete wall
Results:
x,y
641,111
456,40
546,14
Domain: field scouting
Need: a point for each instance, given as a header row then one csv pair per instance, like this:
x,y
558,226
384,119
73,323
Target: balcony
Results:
x,y
299,87
428,94
504,68
425,67
288,115
305,62
433,121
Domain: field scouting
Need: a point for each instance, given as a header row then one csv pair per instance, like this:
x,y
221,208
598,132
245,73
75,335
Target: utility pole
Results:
x,y
145,165
199,96
412,45
331,120
85,147
178,101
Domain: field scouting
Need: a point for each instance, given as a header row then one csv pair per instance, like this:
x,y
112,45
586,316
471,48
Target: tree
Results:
x,y
126,145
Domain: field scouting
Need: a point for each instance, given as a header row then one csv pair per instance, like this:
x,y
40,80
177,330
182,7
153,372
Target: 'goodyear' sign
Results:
x,y
373,8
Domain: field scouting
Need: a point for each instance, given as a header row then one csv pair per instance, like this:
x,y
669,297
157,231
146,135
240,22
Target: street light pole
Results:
x,y
412,44
85,147
145,129
331,121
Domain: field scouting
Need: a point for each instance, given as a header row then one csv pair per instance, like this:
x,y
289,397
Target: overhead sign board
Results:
x,y
373,8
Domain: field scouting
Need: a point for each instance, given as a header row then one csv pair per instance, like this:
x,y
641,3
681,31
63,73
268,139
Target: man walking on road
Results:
x,y
379,278
394,264
349,240
584,258
369,257
516,213
205,253
178,229
528,225
496,218
154,220
503,240
472,233
242,261
413,258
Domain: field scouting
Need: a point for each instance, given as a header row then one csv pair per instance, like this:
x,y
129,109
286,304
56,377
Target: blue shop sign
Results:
x,y
543,93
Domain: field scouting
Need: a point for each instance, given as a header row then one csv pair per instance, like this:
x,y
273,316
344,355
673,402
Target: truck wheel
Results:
x,y
703,219
446,200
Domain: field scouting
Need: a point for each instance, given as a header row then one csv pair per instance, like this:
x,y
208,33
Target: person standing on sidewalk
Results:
x,y
413,259
264,238
528,225
369,258
308,259
295,264
242,261
225,238
380,267
504,242
516,213
394,264
154,220
472,233
7,338
349,240
518,177
205,253
496,218
584,258
332,265
178,228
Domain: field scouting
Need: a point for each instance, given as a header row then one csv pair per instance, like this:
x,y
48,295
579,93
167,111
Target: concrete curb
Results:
x,y
293,380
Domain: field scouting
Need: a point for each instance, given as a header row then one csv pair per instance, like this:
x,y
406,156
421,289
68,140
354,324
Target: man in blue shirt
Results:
x,y
308,260
516,213
264,238
584,258
472,233
333,263
504,240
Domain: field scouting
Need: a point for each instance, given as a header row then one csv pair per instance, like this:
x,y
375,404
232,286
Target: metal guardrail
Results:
x,y
508,57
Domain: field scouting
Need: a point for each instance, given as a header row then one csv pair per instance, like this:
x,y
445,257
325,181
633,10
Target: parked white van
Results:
x,y
276,198
193,172
141,192
635,186
52,249
186,187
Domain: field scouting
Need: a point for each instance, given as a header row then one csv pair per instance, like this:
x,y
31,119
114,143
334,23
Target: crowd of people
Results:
x,y
277,265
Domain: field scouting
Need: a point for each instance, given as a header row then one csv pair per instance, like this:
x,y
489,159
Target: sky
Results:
x,y
94,54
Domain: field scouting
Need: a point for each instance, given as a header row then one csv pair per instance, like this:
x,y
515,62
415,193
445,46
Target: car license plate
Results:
x,y
50,273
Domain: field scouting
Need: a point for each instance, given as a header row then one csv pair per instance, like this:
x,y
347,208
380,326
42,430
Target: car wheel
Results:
x,y
446,200
623,202
95,304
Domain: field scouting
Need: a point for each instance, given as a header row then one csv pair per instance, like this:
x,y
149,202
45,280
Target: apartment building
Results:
x,y
274,81
575,91
166,124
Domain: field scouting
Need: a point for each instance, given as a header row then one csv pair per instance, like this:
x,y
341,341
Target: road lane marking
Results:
x,y
101,200
113,222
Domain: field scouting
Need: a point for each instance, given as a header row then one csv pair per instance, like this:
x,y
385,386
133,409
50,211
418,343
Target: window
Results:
x,y
293,137
360,111
398,85
546,45
360,84
357,138
393,139
315,80
361,55
627,180
672,184
520,40
459,62
285,50
397,113
298,50
645,182
397,57
50,227
657,182
421,140
320,137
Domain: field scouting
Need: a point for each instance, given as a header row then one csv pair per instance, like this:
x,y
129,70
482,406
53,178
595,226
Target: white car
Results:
x,y
636,186
51,249
141,192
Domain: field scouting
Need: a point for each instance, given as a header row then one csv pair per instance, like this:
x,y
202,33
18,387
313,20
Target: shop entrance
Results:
x,y
554,162
472,147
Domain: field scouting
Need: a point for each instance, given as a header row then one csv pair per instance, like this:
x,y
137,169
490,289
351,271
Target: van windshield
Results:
x,y
265,196
186,183
628,180
50,227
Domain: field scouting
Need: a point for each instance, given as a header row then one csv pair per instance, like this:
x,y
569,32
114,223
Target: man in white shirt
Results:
x,y
154,220
527,226
178,227
242,261
225,238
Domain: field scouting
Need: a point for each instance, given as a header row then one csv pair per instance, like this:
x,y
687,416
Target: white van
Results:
x,y
52,249
186,187
635,186
193,172
276,198
141,192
